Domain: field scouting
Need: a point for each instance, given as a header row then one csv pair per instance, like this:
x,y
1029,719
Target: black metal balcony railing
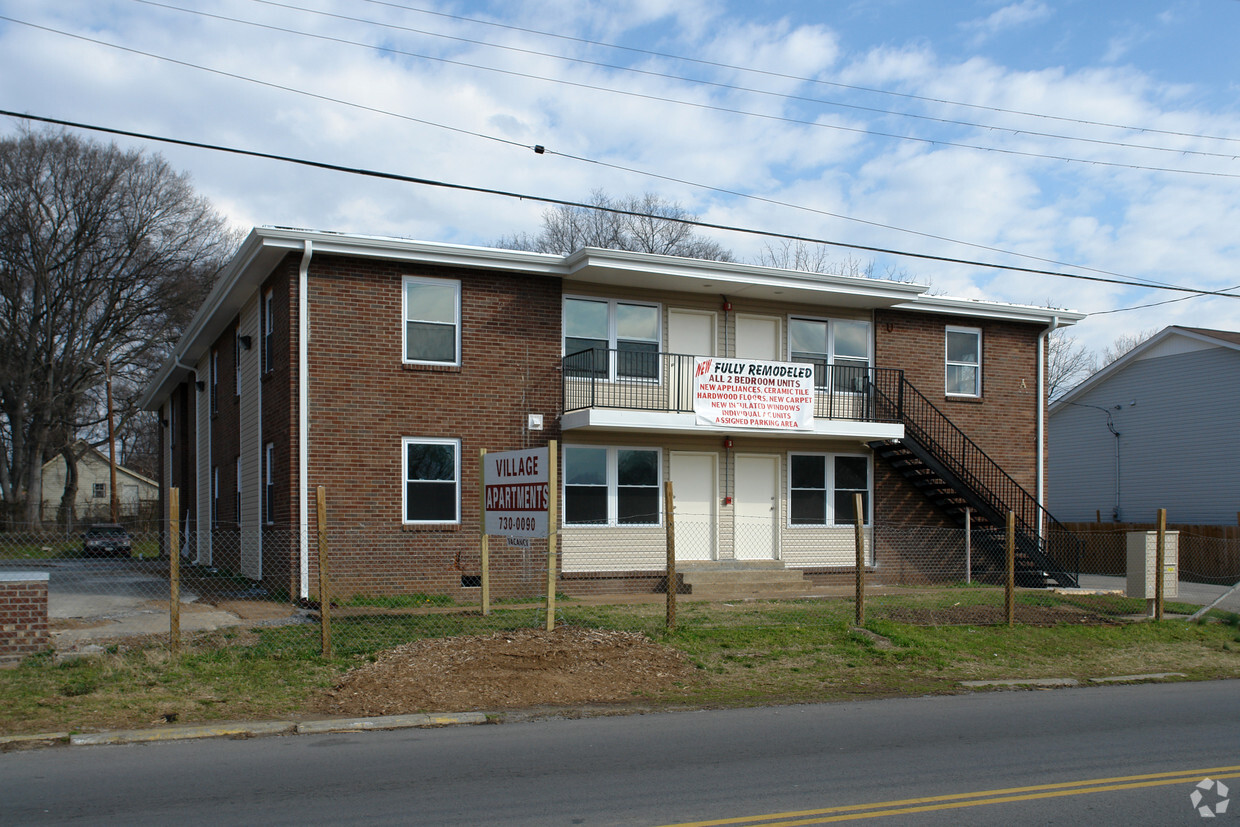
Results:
x,y
649,381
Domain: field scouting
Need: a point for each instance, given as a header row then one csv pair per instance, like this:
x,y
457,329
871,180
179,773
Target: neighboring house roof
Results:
x,y
1172,339
266,247
102,457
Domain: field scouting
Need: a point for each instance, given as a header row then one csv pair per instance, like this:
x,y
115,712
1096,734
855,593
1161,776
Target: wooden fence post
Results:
x,y
859,542
325,592
671,556
1009,593
174,570
1160,556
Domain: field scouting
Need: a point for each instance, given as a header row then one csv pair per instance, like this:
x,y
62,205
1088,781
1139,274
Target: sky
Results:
x,y
1099,139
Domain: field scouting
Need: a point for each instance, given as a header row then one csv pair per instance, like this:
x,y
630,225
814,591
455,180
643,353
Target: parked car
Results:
x,y
107,539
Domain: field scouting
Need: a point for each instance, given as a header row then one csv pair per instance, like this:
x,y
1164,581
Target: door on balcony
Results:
x,y
689,333
757,513
758,337
694,496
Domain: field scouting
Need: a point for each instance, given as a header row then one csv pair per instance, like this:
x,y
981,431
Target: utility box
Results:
x,y
1143,564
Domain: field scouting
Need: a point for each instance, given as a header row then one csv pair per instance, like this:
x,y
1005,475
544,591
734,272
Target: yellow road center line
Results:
x,y
972,799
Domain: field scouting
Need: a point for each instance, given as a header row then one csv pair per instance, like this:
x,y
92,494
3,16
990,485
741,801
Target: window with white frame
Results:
x,y
821,489
269,483
964,361
432,314
611,486
431,471
269,326
632,330
99,490
839,350
215,381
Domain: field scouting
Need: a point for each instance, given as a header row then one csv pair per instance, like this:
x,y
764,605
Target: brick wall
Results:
x,y
23,615
1003,421
364,400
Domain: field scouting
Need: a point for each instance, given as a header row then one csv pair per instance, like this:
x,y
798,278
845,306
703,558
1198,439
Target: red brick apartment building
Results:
x,y
379,367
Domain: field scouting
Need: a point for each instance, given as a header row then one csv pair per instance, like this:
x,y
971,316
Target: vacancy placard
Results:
x,y
743,394
516,492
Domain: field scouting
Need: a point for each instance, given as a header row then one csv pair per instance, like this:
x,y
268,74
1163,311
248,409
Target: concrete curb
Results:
x,y
1025,682
253,729
1153,676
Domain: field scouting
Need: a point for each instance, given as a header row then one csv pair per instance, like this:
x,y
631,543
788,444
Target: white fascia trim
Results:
x,y
609,419
999,311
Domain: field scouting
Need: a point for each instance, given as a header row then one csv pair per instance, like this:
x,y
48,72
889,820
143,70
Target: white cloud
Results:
x,y
1013,16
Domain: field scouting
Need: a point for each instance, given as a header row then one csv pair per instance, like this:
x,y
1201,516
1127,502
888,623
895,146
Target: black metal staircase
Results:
x,y
940,460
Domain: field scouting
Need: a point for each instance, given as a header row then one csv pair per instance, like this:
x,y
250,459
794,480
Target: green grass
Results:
x,y
745,653
397,601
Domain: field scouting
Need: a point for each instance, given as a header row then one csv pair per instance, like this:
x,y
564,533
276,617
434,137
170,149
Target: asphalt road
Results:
x,y
1095,747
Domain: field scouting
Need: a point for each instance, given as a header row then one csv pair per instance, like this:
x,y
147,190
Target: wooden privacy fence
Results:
x,y
1208,553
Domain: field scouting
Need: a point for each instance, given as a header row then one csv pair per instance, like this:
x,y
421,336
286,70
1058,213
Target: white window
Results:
x,y
630,330
432,314
269,325
821,489
839,350
99,490
269,483
611,486
431,471
215,381
964,361
237,501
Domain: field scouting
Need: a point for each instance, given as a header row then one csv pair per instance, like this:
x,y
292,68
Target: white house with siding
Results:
x,y
1157,428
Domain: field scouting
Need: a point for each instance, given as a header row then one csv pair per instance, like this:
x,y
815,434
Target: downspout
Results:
x,y
1041,451
303,415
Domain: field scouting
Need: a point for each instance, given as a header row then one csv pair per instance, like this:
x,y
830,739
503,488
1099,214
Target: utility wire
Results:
x,y
578,158
392,176
783,76
696,105
699,81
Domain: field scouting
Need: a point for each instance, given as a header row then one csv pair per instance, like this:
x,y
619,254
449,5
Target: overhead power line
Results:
x,y
677,102
784,76
668,76
392,176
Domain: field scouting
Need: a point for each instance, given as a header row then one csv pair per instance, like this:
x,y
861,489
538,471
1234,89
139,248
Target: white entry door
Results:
x,y
689,333
758,337
693,504
757,513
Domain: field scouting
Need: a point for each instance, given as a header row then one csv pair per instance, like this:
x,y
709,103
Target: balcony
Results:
x,y
626,390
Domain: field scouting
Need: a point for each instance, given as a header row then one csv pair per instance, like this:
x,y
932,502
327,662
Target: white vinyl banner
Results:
x,y
516,492
743,394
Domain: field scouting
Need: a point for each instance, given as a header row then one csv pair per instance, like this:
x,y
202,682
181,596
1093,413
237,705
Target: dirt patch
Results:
x,y
993,615
508,670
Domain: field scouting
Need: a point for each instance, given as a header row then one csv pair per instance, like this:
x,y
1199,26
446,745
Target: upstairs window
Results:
x,y
629,329
964,361
839,350
269,325
432,313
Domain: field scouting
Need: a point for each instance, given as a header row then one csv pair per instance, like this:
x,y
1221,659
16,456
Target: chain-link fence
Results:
x,y
385,586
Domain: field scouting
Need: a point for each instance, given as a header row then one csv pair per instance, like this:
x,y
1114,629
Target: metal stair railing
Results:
x,y
973,467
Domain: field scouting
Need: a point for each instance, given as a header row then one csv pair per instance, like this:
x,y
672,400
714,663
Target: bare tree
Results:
x,y
642,224
1068,362
103,254
1124,343
816,258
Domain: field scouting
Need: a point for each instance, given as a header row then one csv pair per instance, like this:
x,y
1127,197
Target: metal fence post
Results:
x,y
552,518
1160,556
484,550
174,570
671,556
325,593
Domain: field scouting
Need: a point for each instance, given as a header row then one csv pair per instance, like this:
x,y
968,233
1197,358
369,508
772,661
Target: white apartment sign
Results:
x,y
516,492
738,393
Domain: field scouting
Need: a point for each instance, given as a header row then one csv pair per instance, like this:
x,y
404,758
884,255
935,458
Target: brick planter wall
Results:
x,y
23,615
